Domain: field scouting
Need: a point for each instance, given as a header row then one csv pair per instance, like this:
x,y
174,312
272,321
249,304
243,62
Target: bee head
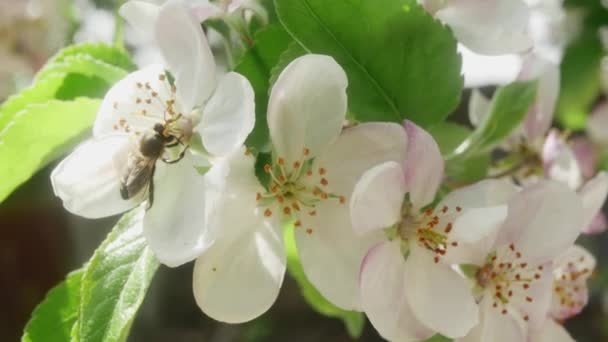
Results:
x,y
159,128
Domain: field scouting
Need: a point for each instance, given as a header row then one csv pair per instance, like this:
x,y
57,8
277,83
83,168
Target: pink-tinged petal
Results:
x,y
307,106
432,6
479,107
357,150
383,295
598,225
378,197
204,10
489,27
585,154
439,297
544,219
228,116
129,106
140,14
423,166
331,254
593,194
239,279
88,180
597,124
175,226
187,53
570,293
538,120
559,162
551,331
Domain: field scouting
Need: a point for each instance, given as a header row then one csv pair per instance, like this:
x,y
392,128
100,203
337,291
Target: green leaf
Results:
x,y
85,65
115,282
107,54
449,136
580,80
54,317
508,108
37,134
256,65
353,321
400,62
439,338
98,65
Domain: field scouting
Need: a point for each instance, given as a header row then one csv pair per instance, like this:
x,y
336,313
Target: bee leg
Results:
x,y
179,157
151,189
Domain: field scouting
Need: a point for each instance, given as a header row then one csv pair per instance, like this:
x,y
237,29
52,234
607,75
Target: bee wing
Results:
x,y
137,175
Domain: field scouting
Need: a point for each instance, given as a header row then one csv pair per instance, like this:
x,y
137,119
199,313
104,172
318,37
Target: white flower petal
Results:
x,y
140,14
88,180
482,213
331,254
383,295
479,107
228,116
378,197
439,297
597,124
486,193
175,224
130,106
598,224
551,331
499,327
489,27
423,166
475,231
237,280
187,53
307,106
230,191
593,194
544,219
538,119
357,150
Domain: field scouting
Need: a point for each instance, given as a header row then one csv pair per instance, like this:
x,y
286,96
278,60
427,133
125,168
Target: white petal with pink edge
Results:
x,y
423,166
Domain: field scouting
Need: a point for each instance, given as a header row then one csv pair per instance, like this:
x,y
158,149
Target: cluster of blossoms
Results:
x,y
490,261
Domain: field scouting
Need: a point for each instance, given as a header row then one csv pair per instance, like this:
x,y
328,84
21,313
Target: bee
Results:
x,y
138,174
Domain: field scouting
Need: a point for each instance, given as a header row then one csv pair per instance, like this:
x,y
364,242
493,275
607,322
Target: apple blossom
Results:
x,y
312,175
489,27
512,268
570,293
407,290
539,153
221,112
